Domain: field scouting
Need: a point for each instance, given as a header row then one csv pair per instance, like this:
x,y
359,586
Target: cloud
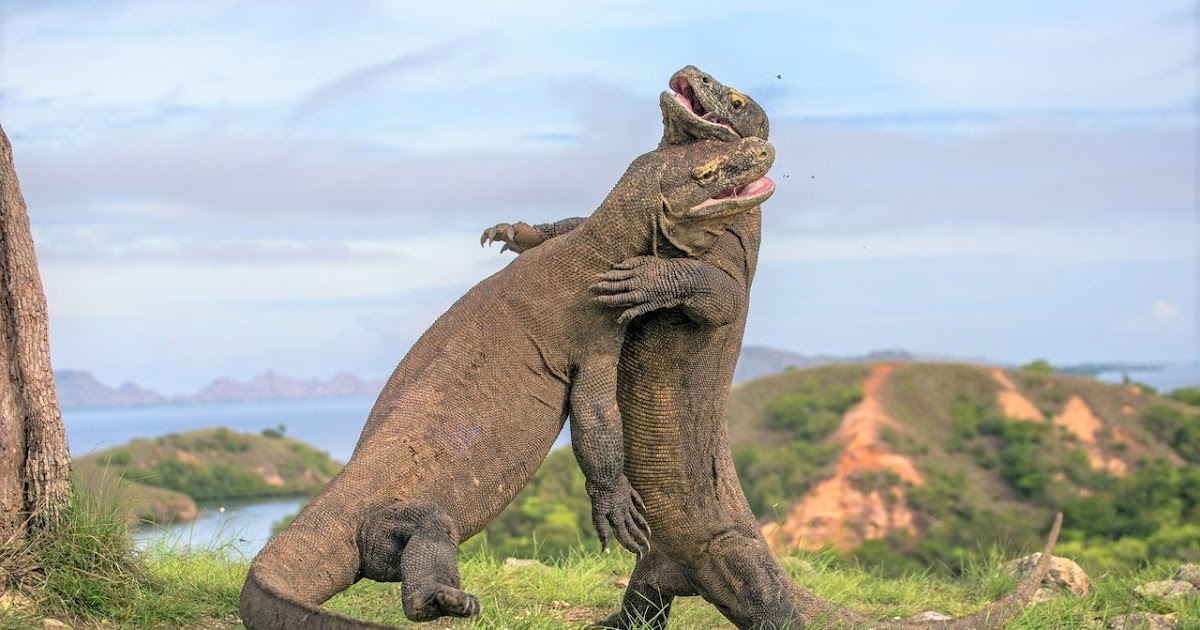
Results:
x,y
1160,317
355,82
831,178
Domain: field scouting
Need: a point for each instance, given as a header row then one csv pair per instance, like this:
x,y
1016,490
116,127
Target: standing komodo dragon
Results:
x,y
474,407
675,370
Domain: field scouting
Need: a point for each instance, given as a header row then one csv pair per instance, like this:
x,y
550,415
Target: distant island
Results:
x,y
80,389
160,479
758,361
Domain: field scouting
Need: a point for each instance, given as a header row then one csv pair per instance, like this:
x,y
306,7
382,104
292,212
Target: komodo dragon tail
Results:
x,y
993,617
265,608
311,560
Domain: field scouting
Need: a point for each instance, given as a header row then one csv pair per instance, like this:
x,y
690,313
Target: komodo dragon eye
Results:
x,y
707,173
739,101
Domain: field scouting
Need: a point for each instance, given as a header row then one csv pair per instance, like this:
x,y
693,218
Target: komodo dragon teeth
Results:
x,y
438,458
673,383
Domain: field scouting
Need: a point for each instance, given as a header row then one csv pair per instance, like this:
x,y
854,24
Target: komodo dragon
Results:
x,y
673,381
478,401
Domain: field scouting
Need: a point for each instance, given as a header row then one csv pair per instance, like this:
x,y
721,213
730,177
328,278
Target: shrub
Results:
x,y
1177,428
813,412
1186,395
777,476
1039,366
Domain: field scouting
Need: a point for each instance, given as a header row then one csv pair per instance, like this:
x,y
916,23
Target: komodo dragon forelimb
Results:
x,y
439,458
675,370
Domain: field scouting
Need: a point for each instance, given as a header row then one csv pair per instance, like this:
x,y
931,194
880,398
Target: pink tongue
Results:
x,y
683,100
756,186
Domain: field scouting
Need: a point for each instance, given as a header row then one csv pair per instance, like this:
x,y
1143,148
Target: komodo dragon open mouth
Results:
x,y
685,95
736,199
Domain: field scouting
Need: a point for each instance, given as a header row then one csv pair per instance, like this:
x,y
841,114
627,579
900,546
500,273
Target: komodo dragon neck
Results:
x,y
622,227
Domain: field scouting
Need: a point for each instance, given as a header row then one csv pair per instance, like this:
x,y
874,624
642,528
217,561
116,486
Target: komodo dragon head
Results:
x,y
705,184
699,107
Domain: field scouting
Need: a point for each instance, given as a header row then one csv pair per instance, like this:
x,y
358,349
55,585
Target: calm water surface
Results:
x,y
330,424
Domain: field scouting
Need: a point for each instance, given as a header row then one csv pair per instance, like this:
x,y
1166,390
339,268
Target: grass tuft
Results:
x,y
90,575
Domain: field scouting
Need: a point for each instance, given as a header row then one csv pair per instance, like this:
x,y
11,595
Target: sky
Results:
x,y
223,187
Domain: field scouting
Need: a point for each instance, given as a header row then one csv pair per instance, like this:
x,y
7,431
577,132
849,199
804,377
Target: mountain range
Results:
x,y
81,389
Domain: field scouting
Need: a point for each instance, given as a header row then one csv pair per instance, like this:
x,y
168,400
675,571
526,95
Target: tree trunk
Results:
x,y
34,462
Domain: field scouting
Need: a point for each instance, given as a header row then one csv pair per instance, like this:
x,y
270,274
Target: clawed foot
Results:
x,y
621,508
637,285
517,237
456,603
444,602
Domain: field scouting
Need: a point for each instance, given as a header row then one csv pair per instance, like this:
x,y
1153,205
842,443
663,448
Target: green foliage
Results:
x,y
220,480
275,432
220,464
1039,366
116,457
549,518
773,477
1178,428
813,410
88,568
1186,395
967,416
1155,496
1023,459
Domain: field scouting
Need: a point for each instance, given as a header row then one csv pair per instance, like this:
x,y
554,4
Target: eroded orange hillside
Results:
x,y
1012,403
845,509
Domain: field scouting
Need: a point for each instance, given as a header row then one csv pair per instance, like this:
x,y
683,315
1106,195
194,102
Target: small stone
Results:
x,y
521,563
1064,574
931,615
1143,621
621,582
12,601
56,624
1189,573
1165,589
559,605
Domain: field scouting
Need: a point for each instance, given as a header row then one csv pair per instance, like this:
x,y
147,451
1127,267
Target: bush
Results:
x,y
1177,428
1039,366
218,481
1186,395
778,476
276,432
813,412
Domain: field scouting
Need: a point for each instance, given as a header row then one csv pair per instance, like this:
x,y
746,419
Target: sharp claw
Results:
x,y
512,236
505,248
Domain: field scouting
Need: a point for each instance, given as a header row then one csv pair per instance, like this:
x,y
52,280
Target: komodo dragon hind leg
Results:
x,y
655,582
738,574
415,544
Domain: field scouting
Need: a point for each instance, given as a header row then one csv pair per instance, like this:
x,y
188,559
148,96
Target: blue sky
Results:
x,y
222,187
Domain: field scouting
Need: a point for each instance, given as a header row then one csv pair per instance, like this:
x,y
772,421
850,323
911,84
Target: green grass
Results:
x,y
90,576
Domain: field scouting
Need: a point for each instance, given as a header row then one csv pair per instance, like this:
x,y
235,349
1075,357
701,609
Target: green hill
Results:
x,y
927,464
159,479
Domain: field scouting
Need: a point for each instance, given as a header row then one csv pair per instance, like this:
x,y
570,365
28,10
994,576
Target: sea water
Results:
x,y
241,527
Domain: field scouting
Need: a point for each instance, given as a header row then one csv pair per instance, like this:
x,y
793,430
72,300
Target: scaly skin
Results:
x,y
477,403
674,375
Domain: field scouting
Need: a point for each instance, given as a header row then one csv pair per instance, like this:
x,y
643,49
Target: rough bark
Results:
x,y
34,461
